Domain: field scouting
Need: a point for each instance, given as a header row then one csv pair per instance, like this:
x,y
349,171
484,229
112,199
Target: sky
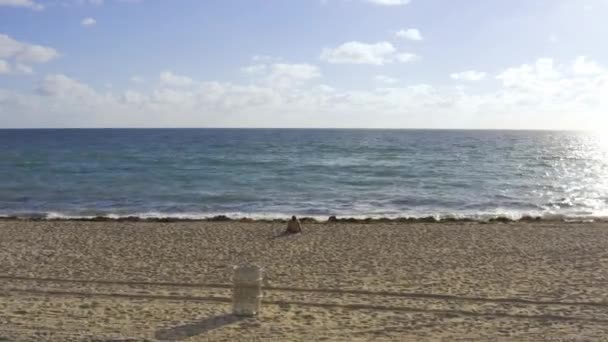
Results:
x,y
518,64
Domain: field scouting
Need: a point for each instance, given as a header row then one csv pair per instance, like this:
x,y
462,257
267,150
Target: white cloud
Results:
x,y
385,79
469,75
534,76
95,2
410,34
254,69
137,79
133,97
282,75
25,52
265,59
575,92
362,53
406,57
584,67
303,72
60,85
173,80
36,54
24,69
359,53
75,3
5,68
541,94
82,2
22,3
86,22
37,4
326,89
389,2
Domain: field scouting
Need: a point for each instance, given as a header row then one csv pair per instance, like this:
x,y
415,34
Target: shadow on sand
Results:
x,y
183,332
282,234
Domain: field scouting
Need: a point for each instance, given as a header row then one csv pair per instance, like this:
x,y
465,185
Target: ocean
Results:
x,y
276,173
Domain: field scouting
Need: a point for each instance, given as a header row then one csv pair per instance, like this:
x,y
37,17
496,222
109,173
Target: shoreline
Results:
x,y
314,220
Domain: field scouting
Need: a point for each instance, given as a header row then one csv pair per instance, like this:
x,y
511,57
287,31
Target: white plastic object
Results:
x,y
247,291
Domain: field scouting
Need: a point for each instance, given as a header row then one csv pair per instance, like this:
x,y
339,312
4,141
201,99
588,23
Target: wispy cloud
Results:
x,y
282,75
469,75
385,79
171,79
24,54
88,22
5,68
22,3
542,89
410,34
389,2
363,53
60,85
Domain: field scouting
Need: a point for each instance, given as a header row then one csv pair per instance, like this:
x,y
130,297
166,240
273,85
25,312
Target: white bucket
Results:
x,y
247,291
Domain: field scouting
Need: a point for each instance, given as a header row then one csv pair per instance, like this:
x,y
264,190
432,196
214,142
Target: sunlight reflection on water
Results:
x,y
584,173
275,173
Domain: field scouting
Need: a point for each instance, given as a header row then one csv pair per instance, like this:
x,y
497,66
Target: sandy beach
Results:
x,y
134,281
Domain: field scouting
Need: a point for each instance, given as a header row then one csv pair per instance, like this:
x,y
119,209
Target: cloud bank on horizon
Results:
x,y
331,63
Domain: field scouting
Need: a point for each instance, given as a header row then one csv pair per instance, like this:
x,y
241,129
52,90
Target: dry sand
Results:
x,y
133,281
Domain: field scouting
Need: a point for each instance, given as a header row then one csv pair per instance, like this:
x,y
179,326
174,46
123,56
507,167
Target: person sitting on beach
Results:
x,y
293,226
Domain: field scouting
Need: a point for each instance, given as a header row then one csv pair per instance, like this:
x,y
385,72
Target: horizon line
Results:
x,y
303,128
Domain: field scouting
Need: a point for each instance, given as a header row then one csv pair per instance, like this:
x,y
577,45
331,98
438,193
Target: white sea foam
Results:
x,y
155,215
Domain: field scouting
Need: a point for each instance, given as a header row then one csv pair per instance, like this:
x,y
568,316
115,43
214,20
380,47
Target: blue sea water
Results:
x,y
270,173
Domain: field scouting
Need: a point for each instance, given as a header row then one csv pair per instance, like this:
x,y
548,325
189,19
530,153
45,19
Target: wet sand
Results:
x,y
134,281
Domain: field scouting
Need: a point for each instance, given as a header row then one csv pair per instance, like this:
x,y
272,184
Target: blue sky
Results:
x,y
329,63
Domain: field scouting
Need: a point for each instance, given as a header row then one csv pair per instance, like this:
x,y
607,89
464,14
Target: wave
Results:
x,y
266,217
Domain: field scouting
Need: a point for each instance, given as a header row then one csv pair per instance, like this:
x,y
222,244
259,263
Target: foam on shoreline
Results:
x,y
157,217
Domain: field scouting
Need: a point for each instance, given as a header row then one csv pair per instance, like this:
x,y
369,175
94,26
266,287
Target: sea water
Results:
x,y
276,173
